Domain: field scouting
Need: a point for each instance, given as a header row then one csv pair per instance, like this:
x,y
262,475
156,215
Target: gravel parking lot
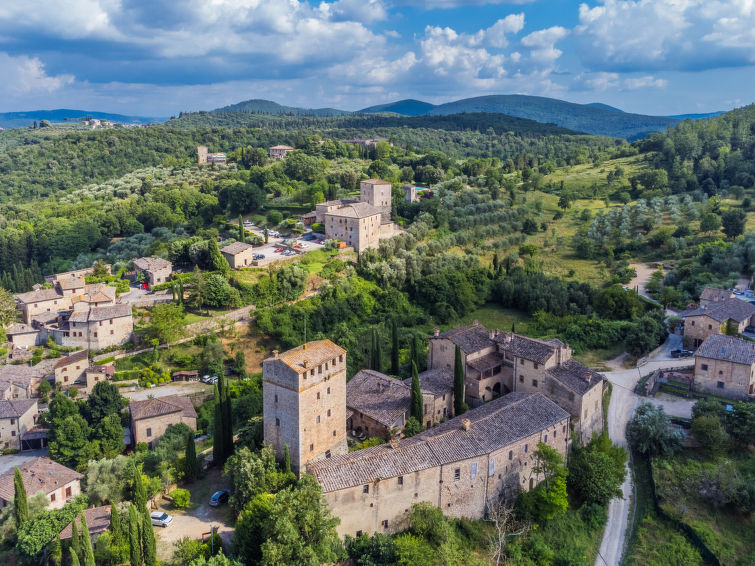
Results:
x,y
9,460
177,388
274,243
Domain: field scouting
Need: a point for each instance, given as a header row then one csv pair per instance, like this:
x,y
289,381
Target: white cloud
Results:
x,y
647,81
542,44
24,76
495,35
603,81
365,11
446,4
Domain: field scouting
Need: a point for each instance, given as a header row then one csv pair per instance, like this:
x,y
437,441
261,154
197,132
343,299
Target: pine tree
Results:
x,y
394,348
459,405
86,543
20,500
149,549
513,327
242,232
56,552
416,406
134,536
192,465
287,460
75,543
140,492
74,557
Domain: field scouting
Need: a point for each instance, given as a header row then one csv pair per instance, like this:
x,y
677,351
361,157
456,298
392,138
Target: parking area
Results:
x,y
175,388
279,247
8,461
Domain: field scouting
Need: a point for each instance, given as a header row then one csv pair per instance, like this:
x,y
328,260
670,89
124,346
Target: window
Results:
x,y
693,323
311,447
334,432
327,453
328,412
521,379
13,421
95,334
720,372
149,432
511,454
328,390
457,474
491,467
312,371
13,433
526,446
276,397
554,433
318,419
319,369
710,327
571,396
100,323
340,358
534,383
112,332
545,439
474,470
359,533
318,394
720,385
385,523
68,492
326,366
366,488
704,367
52,497
277,422
401,480
535,365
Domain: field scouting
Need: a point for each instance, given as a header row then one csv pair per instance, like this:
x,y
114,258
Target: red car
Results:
x,y
279,250
144,286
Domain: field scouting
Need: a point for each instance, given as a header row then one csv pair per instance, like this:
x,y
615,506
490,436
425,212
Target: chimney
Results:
x,y
466,424
476,323
492,334
587,377
436,331
304,346
305,363
394,443
275,353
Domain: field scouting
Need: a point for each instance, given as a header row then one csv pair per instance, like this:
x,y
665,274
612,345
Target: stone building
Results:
x,y
203,156
17,417
716,318
57,482
357,224
496,363
439,383
377,193
280,151
70,369
19,381
458,466
323,208
238,254
725,366
41,301
379,404
156,269
304,402
22,335
97,519
93,329
150,418
713,295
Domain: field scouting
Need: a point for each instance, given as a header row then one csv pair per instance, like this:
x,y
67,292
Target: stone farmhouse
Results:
x,y
379,405
304,402
238,254
496,363
725,366
70,369
367,142
150,418
713,295
204,157
76,273
93,329
98,521
156,269
459,466
280,151
19,381
22,335
715,318
57,482
17,417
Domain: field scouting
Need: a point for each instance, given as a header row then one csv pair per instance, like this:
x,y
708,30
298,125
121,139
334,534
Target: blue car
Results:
x,y
220,497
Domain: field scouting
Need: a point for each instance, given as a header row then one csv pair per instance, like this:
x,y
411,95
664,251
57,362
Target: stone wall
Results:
x,y
698,328
727,379
11,434
157,427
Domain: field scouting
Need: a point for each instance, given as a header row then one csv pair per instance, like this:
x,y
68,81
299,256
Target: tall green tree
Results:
x,y
149,547
287,460
378,362
69,444
87,552
216,260
226,416
242,232
118,543
75,542
134,536
218,443
416,405
55,552
140,492
394,348
20,499
192,464
165,322
74,557
105,399
8,310
459,405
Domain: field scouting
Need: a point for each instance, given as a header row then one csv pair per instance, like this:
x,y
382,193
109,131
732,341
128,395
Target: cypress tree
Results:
x,y
416,406
216,260
394,348
117,536
459,405
287,460
373,347
149,549
86,546
513,327
74,558
413,355
134,538
56,552
226,417
378,352
75,543
192,466
217,433
20,500
242,232
140,492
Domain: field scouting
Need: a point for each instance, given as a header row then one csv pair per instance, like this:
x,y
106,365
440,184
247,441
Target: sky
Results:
x,y
161,57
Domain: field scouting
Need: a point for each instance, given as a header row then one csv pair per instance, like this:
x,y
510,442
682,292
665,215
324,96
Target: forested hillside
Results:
x,y
259,106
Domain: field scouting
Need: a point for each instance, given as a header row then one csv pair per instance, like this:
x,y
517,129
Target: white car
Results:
x,y
161,519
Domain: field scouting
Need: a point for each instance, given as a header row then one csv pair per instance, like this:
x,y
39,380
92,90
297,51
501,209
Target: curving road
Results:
x,y
620,410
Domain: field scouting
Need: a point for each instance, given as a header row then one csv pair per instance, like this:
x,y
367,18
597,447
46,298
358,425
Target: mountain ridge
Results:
x,y
27,118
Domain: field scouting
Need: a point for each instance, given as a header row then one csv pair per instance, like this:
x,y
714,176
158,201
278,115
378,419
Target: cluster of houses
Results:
x,y
522,391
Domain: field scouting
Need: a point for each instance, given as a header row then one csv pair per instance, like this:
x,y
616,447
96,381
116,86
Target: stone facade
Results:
x,y
238,254
356,224
304,402
716,317
725,366
377,193
95,329
71,369
57,482
156,269
42,301
280,151
16,418
150,418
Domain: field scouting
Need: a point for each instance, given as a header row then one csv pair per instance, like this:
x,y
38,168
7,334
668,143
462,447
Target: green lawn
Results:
x,y
493,316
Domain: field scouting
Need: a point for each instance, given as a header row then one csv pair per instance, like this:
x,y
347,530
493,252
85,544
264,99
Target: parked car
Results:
x,y
681,353
205,379
279,250
220,497
161,519
144,286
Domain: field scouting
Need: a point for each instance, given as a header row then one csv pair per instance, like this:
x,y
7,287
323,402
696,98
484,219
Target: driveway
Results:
x,y
623,403
9,460
178,388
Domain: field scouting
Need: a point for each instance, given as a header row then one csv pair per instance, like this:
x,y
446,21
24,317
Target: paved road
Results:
x,y
9,460
623,403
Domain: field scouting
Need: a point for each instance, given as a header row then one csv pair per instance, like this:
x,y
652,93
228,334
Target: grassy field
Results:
x,y
585,176
493,316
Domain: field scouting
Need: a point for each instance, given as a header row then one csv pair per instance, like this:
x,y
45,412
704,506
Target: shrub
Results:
x,y
181,498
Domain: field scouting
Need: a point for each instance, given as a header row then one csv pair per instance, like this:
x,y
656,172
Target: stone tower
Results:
x,y
378,193
202,154
304,402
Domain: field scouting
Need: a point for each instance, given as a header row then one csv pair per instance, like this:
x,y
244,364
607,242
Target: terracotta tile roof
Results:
x,y
235,248
492,427
98,521
722,311
20,328
728,349
39,296
379,397
110,311
314,353
79,356
528,348
71,283
713,294
575,376
438,381
355,210
152,263
40,474
470,339
376,181
158,406
15,408
282,147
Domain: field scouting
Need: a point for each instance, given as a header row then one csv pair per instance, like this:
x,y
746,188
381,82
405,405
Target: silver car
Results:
x,y
161,519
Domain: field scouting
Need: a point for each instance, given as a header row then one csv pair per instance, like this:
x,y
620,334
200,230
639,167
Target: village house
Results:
x,y
304,402
41,301
378,193
96,373
380,405
459,466
57,482
356,224
76,273
67,290
712,295
238,254
203,157
726,316
150,418
70,369
156,269
97,519
19,381
22,335
725,366
439,383
93,329
17,417
280,151
367,142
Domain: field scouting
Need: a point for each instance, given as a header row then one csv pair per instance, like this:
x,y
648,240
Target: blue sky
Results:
x,y
160,57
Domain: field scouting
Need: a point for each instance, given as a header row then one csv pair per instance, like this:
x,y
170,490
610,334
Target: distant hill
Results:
x,y
604,106
697,116
408,107
259,106
21,119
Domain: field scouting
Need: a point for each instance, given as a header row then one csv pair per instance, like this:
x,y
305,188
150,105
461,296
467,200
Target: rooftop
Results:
x,y
15,408
355,210
79,356
439,381
382,398
110,311
470,339
152,263
159,406
40,474
282,147
314,353
728,349
376,182
714,294
492,426
39,296
575,376
722,311
528,348
97,518
235,248
73,282
20,328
